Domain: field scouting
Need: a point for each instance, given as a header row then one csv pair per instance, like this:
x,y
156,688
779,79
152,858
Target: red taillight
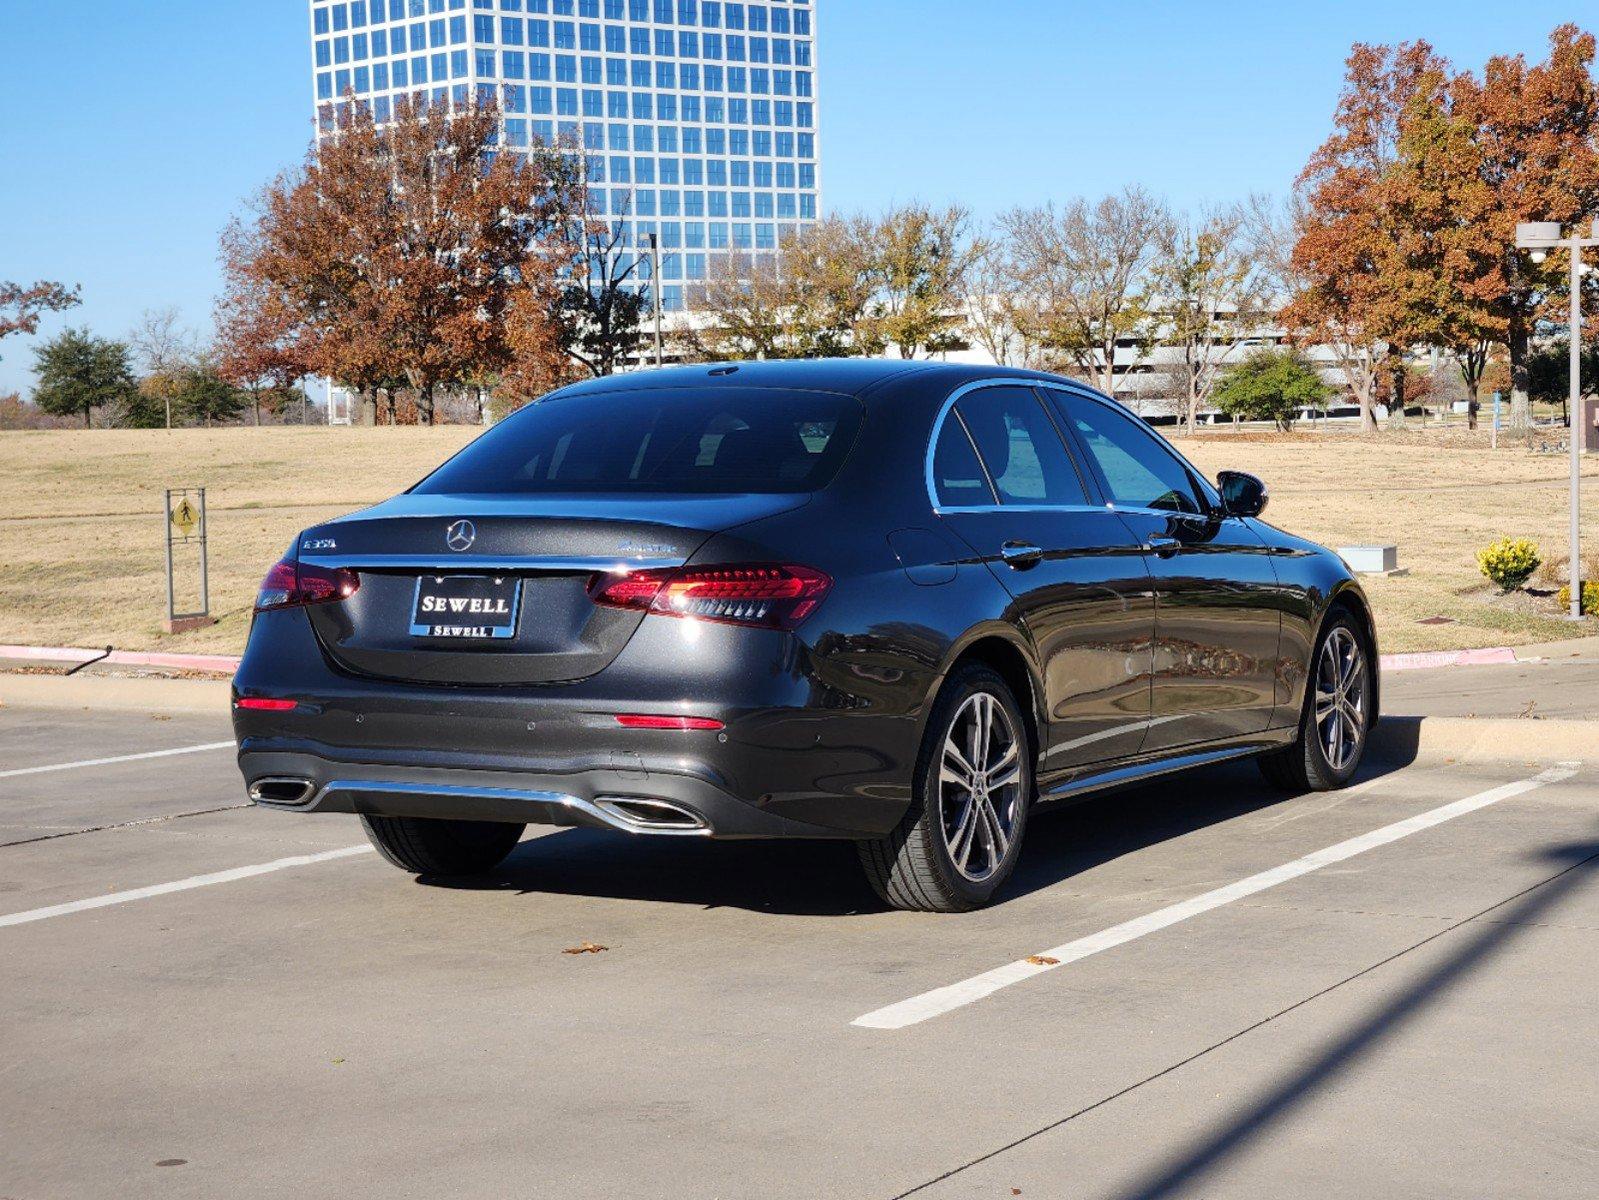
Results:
x,y
265,704
763,594
291,584
649,721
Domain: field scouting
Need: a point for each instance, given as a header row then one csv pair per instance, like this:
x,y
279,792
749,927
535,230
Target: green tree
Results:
x,y
919,259
1271,385
79,373
204,395
1549,372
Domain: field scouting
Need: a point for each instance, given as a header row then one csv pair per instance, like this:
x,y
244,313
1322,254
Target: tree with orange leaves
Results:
x,y
394,254
257,344
1359,290
1536,135
1408,227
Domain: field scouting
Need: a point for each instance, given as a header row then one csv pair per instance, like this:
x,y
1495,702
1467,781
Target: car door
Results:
x,y
1005,482
1217,623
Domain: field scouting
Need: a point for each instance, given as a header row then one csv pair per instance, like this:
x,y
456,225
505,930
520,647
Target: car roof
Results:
x,y
848,376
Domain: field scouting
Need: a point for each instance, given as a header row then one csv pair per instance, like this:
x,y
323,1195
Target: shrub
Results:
x,y
1271,385
1590,597
1509,562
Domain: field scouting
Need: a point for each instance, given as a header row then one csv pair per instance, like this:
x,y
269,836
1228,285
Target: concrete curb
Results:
x,y
110,692
1400,738
125,658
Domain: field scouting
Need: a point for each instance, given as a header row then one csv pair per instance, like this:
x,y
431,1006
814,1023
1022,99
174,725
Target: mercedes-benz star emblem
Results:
x,y
460,536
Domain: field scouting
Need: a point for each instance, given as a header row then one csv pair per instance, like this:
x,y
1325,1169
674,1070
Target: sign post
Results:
x,y
186,526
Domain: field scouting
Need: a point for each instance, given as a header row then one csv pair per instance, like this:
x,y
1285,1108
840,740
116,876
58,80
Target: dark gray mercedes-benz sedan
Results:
x,y
900,603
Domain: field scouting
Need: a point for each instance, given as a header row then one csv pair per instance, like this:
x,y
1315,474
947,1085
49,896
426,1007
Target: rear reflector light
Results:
x,y
768,595
292,584
263,704
648,721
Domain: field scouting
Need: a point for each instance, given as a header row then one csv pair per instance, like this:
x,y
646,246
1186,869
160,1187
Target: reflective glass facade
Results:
x,y
699,116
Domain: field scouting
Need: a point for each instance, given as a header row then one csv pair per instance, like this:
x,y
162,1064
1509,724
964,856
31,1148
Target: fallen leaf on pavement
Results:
x,y
585,948
1042,960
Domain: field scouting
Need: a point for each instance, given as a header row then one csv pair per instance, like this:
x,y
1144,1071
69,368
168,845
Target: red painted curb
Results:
x,y
1447,658
126,658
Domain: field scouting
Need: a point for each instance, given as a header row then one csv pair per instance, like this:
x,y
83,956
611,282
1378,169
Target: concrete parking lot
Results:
x,y
1387,991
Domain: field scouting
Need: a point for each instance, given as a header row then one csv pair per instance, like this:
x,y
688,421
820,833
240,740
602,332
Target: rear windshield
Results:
x,y
712,442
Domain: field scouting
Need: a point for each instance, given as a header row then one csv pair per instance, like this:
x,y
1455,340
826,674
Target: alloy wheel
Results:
x,y
980,786
1341,698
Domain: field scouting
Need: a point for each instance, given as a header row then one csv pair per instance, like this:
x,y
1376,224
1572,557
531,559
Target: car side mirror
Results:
x,y
1242,494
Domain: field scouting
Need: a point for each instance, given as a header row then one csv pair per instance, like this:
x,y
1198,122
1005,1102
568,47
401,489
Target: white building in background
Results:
x,y
698,116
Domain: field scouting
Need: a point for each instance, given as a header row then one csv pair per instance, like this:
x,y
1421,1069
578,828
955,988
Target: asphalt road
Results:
x,y
200,999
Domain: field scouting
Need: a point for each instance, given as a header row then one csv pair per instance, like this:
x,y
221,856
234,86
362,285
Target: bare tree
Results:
x,y
816,300
990,309
164,351
602,298
1080,276
1211,295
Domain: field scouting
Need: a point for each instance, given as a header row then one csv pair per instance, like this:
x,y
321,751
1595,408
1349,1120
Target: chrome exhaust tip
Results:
x,y
638,814
282,791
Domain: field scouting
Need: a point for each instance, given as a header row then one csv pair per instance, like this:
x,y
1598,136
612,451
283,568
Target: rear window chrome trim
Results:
x,y
948,407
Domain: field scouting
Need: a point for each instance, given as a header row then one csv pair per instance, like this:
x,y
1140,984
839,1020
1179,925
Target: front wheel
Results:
x,y
426,846
1337,718
973,785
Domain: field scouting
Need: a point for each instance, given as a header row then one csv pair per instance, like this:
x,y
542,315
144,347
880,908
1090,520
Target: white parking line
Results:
x,y
120,758
181,885
957,995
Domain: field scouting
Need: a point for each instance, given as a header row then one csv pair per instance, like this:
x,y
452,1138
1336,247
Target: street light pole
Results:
x,y
1540,237
1573,423
655,293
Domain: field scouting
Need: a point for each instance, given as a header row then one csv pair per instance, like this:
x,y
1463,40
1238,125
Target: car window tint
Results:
x,y
1139,471
1021,447
957,475
659,441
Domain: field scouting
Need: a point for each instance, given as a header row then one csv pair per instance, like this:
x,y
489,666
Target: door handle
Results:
x,y
1162,545
1021,555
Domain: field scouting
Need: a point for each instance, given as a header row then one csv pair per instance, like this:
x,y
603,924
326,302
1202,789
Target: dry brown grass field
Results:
x,y
81,521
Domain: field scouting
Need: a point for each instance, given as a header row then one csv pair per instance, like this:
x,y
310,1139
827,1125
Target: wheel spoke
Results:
x,y
1006,760
964,773
1006,777
998,842
1326,702
960,843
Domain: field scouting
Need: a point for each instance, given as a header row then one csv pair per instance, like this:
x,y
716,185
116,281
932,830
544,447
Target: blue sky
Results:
x,y
133,130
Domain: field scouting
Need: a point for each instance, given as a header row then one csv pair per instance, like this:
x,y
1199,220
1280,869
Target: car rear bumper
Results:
x,y
684,803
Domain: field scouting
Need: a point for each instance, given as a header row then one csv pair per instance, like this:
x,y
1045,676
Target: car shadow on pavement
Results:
x,y
799,878
1188,1170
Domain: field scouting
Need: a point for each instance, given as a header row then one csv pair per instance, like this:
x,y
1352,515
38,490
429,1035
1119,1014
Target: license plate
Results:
x,y
471,607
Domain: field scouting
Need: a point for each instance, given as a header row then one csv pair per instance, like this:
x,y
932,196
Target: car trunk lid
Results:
x,y
527,561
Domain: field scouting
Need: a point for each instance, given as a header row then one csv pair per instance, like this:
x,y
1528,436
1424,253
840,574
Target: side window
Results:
x,y
1021,447
957,475
1139,471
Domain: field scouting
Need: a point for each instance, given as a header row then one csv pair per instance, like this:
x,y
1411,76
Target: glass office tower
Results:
x,y
699,116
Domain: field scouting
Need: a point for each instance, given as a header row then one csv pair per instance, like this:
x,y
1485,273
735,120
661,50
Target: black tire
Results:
x,y
914,867
424,846
1304,765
